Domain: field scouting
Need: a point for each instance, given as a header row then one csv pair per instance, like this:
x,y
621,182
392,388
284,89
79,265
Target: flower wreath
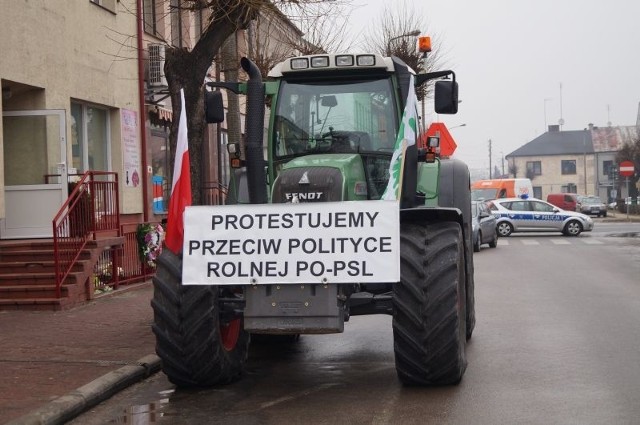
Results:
x,y
150,237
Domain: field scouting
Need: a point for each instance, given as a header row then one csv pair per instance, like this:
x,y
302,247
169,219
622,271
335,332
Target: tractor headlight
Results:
x,y
344,60
299,63
366,60
320,62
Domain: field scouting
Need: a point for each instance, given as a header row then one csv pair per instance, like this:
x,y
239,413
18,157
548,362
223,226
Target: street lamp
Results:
x,y
413,33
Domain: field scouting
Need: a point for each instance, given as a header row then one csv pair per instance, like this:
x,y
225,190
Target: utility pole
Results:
x,y
490,159
584,159
561,120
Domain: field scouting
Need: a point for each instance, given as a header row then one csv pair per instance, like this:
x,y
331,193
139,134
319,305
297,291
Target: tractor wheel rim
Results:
x,y
229,334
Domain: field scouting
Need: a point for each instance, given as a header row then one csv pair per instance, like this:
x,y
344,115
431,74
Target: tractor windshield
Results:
x,y
340,117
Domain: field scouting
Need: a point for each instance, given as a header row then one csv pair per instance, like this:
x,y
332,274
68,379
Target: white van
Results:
x,y
501,188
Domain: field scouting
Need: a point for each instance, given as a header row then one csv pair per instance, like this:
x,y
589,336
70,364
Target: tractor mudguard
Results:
x,y
431,215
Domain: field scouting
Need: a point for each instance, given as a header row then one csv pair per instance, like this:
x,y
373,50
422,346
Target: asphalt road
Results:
x,y
557,342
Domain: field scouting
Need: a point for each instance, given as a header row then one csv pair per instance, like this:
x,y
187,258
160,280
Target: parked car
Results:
x,y
564,201
484,226
592,205
534,215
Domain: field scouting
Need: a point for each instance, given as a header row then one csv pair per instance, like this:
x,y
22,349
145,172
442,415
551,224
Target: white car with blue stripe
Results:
x,y
533,215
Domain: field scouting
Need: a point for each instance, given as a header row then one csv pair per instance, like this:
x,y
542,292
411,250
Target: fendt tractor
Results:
x,y
351,213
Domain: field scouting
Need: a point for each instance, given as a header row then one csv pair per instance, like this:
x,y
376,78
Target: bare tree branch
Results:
x,y
388,36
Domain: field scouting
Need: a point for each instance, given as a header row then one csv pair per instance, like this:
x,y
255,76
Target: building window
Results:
x,y
149,12
176,24
569,188
198,23
110,5
225,170
609,170
537,192
90,148
534,168
568,166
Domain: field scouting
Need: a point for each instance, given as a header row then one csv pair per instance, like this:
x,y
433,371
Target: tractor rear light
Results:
x,y
430,156
320,62
344,60
366,60
233,149
236,163
424,44
299,63
433,141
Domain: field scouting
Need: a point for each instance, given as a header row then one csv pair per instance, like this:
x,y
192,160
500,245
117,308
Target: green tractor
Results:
x,y
343,138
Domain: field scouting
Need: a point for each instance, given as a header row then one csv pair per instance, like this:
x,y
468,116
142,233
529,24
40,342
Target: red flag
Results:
x,y
181,187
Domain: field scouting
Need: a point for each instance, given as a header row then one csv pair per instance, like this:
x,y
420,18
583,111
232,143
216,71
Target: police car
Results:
x,y
533,215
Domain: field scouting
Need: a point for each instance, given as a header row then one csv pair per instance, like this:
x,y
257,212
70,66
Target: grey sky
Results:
x,y
511,55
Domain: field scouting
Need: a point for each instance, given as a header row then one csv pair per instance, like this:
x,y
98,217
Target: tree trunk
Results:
x,y
187,70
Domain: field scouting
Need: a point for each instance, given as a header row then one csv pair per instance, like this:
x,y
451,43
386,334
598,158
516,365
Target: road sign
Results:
x,y
447,144
627,169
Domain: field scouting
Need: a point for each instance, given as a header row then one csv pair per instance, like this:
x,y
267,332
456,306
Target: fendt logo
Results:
x,y
295,197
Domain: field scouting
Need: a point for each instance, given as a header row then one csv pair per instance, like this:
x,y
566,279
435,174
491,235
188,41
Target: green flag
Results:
x,y
406,137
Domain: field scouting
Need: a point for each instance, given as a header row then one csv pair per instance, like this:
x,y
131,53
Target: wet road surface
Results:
x,y
557,341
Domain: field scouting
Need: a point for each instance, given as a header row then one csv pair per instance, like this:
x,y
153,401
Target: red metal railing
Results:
x,y
92,207
130,268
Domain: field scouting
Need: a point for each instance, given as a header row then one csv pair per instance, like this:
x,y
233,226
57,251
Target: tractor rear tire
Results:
x,y
455,183
196,347
429,326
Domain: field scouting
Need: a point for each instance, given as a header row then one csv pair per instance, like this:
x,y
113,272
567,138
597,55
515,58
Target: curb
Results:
x,y
68,406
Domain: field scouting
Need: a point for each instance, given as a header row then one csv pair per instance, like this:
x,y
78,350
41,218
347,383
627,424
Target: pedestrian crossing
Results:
x,y
532,241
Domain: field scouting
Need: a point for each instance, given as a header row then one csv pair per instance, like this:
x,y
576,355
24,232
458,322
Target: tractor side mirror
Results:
x,y
213,107
446,97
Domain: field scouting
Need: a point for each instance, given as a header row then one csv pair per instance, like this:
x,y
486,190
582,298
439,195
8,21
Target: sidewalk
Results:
x,y
617,216
96,349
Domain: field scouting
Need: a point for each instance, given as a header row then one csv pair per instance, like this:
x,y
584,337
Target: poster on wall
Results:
x,y
130,149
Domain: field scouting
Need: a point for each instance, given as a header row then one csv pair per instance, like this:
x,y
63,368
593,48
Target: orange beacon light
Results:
x,y
424,44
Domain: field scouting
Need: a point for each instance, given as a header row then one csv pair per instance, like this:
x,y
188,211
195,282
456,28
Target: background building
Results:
x,y
84,98
575,161
70,104
83,89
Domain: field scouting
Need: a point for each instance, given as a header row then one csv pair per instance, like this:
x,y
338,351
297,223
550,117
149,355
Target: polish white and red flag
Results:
x,y
181,185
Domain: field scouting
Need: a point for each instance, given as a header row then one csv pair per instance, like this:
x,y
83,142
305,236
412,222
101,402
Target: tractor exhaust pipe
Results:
x,y
254,154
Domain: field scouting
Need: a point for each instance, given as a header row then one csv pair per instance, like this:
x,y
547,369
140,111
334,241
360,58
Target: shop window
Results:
x,y
90,148
160,165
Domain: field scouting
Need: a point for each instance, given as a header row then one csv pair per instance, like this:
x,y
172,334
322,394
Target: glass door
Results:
x,y
35,172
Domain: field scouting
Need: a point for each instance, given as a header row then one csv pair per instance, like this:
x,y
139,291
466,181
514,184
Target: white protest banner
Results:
x,y
329,242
